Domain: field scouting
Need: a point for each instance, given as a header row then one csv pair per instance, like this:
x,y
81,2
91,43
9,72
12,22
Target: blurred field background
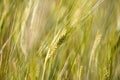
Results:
x,y
59,39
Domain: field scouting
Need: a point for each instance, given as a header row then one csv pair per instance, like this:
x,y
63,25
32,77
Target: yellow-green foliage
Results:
x,y
59,39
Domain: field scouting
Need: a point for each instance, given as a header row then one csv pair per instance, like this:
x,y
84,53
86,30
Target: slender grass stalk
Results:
x,y
52,48
92,54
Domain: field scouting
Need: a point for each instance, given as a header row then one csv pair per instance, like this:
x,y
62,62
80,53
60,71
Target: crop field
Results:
x,y
59,39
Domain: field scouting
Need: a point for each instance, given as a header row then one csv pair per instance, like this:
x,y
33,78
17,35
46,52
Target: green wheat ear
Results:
x,y
61,40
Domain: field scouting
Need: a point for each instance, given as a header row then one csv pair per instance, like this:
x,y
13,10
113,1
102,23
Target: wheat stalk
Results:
x,y
52,48
92,54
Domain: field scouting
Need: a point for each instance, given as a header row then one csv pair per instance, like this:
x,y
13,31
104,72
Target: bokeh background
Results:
x,y
59,39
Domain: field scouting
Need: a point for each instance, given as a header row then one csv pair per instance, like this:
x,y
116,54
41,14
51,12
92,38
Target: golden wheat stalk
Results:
x,y
53,46
92,54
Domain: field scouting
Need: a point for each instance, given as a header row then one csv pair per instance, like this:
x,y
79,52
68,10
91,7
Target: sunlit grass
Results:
x,y
59,40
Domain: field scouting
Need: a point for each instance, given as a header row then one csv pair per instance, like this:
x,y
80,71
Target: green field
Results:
x,y
59,39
